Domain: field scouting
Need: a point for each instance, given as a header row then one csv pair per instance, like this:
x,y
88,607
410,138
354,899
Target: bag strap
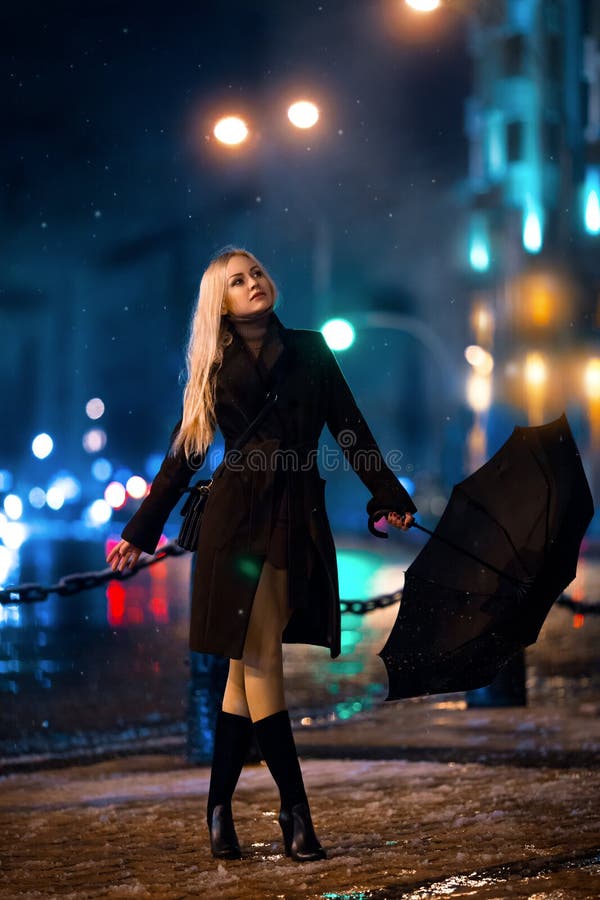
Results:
x,y
271,399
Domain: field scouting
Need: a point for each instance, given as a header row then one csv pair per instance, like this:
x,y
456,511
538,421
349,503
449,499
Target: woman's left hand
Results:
x,y
403,521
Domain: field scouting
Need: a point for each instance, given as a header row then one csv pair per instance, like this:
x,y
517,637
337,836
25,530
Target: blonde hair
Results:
x,y
208,337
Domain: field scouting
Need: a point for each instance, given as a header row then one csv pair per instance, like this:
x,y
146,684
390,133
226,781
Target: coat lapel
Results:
x,y
244,380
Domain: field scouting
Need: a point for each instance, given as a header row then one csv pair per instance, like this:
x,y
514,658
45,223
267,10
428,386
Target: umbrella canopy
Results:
x,y
504,549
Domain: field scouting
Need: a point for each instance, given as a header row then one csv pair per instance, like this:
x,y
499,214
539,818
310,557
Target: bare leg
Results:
x,y
262,658
234,698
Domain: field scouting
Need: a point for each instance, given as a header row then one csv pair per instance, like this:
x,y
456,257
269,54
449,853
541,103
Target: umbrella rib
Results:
x,y
478,559
510,541
548,488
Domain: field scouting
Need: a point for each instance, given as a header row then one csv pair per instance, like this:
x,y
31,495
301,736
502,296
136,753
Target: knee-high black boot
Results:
x,y
276,741
233,735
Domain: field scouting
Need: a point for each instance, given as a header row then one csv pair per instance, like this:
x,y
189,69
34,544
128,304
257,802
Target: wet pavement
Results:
x,y
519,822
414,799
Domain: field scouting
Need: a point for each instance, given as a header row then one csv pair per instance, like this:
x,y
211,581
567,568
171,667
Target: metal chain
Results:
x,y
73,584
84,581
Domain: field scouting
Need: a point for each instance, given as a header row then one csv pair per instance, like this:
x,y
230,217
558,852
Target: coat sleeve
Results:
x,y
145,527
347,425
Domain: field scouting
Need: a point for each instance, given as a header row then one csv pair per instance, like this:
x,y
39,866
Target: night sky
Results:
x,y
115,194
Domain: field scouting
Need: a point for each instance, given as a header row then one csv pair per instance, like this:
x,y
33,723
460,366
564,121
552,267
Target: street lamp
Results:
x,y
231,131
423,5
303,114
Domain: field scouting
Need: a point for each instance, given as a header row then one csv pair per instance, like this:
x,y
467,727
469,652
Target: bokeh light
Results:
x,y
136,487
480,359
479,391
6,563
535,369
37,497
69,486
13,506
592,378
94,440
94,408
102,469
55,498
98,513
115,494
42,445
338,333
13,535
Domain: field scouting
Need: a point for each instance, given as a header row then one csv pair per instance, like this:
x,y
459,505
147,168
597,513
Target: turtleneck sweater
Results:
x,y
253,327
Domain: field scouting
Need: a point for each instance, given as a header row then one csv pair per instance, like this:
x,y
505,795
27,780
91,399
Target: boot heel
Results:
x,y
287,830
300,840
223,839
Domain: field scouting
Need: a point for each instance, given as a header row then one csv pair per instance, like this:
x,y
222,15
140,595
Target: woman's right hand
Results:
x,y
122,555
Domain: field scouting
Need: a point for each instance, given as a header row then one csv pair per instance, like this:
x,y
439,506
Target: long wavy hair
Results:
x,y
208,337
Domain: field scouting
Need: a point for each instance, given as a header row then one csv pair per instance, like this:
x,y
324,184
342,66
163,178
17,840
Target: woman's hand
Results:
x,y
403,521
122,555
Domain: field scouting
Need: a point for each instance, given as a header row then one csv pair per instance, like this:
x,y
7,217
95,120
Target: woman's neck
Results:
x,y
252,327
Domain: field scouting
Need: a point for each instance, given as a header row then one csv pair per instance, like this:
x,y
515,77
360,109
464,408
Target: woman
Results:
x,y
266,566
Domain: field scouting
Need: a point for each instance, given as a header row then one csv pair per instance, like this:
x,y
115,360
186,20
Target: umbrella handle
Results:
x,y
375,517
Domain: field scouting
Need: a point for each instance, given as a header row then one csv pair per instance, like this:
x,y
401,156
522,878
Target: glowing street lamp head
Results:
x,y
231,130
423,5
303,114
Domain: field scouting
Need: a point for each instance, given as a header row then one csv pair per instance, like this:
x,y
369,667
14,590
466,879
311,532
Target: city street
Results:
x,y
331,263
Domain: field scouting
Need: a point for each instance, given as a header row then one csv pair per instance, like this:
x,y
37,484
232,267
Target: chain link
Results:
x,y
69,585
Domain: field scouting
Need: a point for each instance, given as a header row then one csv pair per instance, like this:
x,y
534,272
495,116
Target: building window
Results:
x,y
514,55
514,141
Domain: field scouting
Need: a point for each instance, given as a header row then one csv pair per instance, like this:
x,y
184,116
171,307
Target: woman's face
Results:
x,y
247,287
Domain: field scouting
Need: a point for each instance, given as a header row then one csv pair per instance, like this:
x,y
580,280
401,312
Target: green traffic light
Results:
x,y
338,333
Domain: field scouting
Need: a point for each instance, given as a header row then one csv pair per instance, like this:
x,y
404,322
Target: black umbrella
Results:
x,y
504,549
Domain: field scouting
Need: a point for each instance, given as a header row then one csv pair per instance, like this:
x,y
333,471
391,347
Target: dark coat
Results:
x,y
238,516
